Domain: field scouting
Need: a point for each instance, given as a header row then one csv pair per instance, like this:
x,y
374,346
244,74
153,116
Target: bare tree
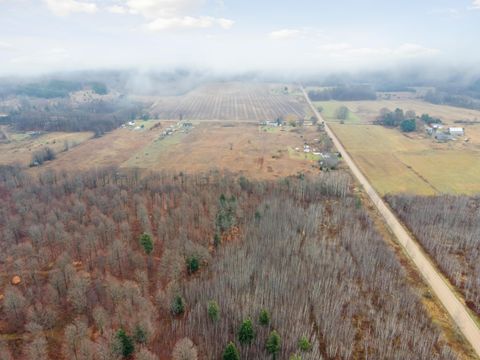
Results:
x,y
184,350
37,349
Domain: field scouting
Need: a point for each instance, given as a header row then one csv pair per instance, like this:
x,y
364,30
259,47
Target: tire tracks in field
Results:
x,y
420,176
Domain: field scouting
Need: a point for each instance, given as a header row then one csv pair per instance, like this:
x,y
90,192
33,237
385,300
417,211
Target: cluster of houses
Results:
x,y
308,149
279,122
182,126
441,134
328,161
274,123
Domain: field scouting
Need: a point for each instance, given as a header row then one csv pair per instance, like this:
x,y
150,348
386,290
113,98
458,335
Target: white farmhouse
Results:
x,y
456,131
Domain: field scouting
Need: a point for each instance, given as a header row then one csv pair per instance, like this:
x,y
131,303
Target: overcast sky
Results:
x,y
239,35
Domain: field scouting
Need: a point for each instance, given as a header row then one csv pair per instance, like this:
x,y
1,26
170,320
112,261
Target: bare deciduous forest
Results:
x,y
448,227
299,256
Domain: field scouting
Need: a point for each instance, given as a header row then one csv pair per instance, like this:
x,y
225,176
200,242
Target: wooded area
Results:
x,y
343,93
448,227
99,116
113,265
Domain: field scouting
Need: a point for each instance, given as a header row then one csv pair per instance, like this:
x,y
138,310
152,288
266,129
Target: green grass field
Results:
x,y
300,155
395,163
148,154
330,108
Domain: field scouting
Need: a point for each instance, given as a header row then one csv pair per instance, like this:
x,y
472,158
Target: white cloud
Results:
x,y
164,15
446,11
476,4
225,23
117,9
66,7
336,47
285,34
414,50
188,22
404,51
162,8
5,45
53,56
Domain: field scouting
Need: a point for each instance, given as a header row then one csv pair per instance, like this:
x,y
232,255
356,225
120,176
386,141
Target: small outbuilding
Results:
x,y
456,131
443,137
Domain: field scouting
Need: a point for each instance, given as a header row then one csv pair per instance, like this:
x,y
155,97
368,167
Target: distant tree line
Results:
x,y
394,88
462,94
99,116
441,97
343,93
56,88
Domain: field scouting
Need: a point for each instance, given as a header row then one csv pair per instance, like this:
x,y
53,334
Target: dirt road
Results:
x,y
455,307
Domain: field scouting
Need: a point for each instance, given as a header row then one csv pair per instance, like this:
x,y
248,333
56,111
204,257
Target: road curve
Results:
x,y
434,279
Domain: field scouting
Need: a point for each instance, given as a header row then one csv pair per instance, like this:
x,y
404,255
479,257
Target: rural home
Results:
x,y
456,131
329,161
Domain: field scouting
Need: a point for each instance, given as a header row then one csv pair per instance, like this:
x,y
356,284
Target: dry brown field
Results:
x,y
243,148
369,110
226,136
20,147
231,101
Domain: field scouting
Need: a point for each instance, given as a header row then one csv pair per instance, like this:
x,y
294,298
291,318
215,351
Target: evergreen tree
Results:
x,y
246,333
213,310
264,317
217,239
193,264
147,243
125,342
231,352
408,125
273,344
178,305
304,344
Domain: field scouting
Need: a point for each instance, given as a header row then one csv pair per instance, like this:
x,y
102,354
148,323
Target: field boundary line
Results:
x,y
436,281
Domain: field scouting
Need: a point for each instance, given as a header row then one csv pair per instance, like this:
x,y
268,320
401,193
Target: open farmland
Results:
x,y
330,108
18,148
230,101
395,163
369,110
236,144
111,149
241,148
246,148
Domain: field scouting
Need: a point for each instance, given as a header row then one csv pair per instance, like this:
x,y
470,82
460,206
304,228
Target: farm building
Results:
x,y
443,137
456,131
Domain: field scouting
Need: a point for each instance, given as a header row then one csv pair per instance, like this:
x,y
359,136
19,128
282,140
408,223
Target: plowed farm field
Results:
x,y
231,101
